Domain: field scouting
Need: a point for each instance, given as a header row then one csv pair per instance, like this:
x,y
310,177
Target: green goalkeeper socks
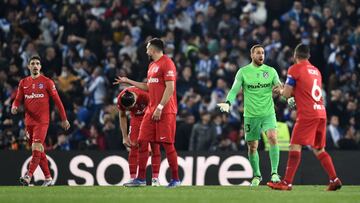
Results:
x,y
274,153
254,161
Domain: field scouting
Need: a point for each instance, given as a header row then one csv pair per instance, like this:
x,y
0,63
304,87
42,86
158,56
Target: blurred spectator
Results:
x,y
66,79
96,92
62,143
349,142
95,139
333,133
183,131
203,134
257,11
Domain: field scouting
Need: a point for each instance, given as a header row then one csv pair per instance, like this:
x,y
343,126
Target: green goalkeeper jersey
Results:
x,y
257,84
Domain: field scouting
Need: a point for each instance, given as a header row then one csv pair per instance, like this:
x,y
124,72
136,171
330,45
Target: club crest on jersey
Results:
x,y
41,86
265,75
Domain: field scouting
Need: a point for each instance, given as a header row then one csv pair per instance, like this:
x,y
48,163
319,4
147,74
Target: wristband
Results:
x,y
160,107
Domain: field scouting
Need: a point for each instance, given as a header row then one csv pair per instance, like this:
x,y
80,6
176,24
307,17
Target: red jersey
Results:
x,y
307,86
35,94
138,110
158,73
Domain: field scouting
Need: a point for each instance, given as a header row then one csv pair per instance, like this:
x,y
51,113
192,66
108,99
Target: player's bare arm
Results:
x,y
123,127
286,91
168,92
140,85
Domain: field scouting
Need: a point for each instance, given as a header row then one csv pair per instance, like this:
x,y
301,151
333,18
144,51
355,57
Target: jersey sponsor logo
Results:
x,y
153,80
318,106
41,86
259,85
170,73
265,74
34,96
313,72
53,87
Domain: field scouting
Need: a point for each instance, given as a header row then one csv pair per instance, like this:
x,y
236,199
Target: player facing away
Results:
x,y
34,91
257,81
304,82
135,101
159,122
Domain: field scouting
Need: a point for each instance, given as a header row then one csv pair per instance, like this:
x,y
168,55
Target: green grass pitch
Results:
x,y
187,194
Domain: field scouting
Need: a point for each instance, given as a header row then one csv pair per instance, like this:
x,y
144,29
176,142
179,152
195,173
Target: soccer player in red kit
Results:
x,y
135,101
304,82
34,91
159,122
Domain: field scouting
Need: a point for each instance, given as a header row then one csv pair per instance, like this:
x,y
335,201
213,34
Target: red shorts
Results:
x,y
310,132
158,131
37,133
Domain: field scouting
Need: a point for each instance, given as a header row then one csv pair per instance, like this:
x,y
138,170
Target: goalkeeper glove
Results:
x,y
224,107
291,102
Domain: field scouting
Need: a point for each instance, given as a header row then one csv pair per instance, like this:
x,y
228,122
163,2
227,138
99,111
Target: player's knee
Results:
x,y
295,147
272,138
318,151
252,147
37,146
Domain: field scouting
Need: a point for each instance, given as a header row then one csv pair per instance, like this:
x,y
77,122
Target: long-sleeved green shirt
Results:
x,y
257,84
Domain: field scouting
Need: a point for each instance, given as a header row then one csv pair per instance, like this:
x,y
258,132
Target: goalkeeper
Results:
x,y
258,82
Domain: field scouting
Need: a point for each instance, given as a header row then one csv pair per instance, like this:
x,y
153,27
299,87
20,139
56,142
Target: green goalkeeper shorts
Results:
x,y
254,126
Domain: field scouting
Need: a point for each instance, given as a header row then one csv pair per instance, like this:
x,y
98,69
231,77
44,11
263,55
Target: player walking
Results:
x,y
304,82
34,91
257,81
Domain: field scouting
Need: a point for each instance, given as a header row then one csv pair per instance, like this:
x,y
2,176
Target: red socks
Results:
x,y
292,166
143,157
36,157
171,156
155,159
327,164
44,165
133,161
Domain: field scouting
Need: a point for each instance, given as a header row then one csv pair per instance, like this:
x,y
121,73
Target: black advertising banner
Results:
x,y
195,168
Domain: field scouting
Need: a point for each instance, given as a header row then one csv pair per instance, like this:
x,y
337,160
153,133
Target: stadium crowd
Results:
x,y
85,44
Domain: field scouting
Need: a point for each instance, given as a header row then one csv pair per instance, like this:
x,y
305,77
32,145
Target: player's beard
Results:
x,y
35,72
258,62
150,58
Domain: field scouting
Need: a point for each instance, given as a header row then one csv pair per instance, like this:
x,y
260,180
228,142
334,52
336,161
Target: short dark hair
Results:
x,y
255,47
302,51
34,57
157,43
127,99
